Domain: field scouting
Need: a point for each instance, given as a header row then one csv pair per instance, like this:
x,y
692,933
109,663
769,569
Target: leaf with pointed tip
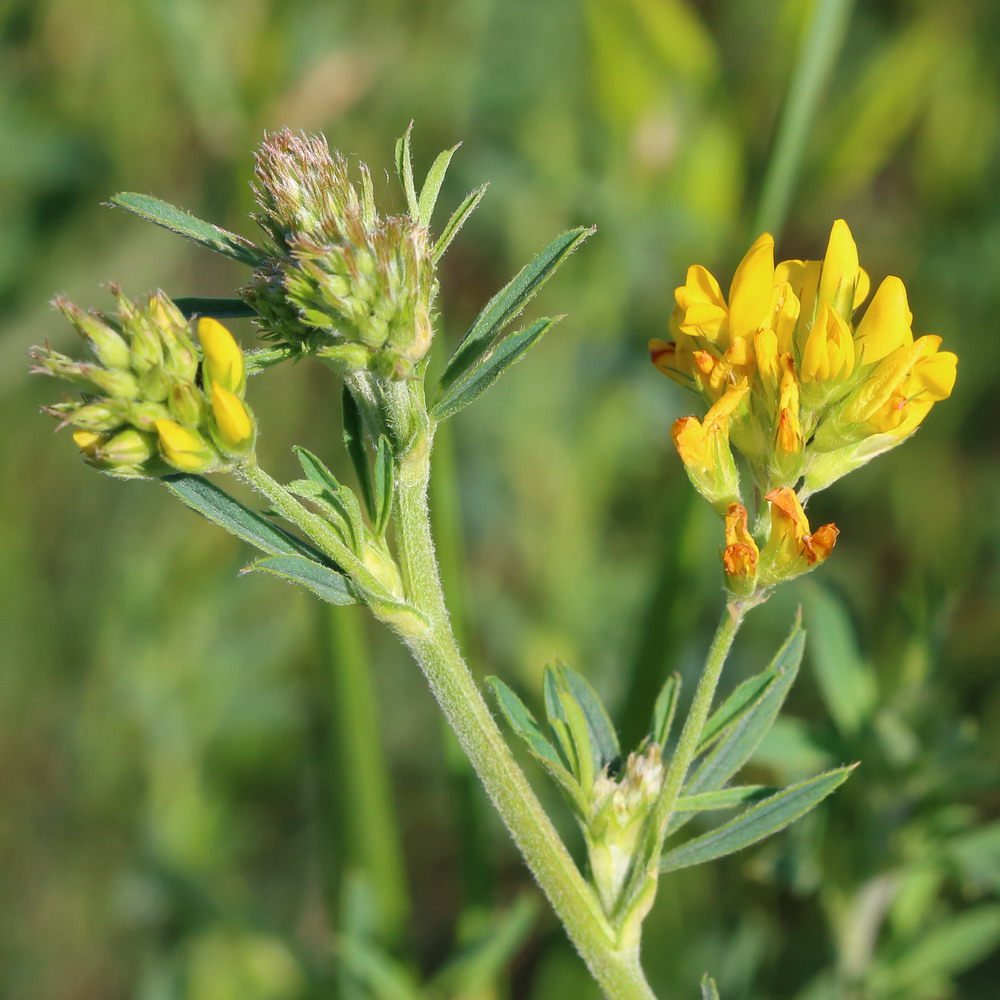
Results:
x,y
404,170
322,581
738,742
508,303
343,499
523,723
603,738
709,991
266,357
664,710
384,482
742,698
354,440
381,976
725,798
756,823
457,220
185,224
218,506
508,352
432,186
568,722
216,308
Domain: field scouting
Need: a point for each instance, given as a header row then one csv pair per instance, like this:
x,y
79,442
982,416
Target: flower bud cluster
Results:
x,y
343,283
152,402
620,807
797,386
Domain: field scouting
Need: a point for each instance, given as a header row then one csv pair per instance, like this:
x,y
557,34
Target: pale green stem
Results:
x,y
821,43
694,724
617,970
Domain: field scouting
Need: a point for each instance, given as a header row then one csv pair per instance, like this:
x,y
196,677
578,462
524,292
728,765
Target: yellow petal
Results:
x,y
864,287
886,322
223,358
752,290
701,307
803,277
828,352
183,448
785,314
933,378
232,419
87,441
839,276
765,349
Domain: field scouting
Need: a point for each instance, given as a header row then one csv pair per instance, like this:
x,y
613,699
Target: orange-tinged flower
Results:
x,y
790,436
791,547
740,556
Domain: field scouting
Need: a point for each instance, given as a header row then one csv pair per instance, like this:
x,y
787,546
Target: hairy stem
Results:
x,y
433,645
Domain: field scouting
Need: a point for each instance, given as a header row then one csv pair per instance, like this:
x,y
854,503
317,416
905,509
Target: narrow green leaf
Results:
x,y
725,798
354,439
185,224
325,583
574,745
457,220
404,170
665,709
757,822
342,498
845,680
331,507
738,742
709,991
217,308
509,352
603,738
218,506
384,482
432,186
520,719
508,303
742,698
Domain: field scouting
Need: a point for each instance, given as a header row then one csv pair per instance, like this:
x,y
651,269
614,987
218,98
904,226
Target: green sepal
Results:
x,y
507,304
756,823
266,357
665,709
185,224
384,486
709,991
457,220
432,186
219,507
725,798
404,171
216,308
322,581
510,350
523,723
354,441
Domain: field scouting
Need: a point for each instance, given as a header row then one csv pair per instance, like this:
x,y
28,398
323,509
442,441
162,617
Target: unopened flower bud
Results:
x,y
107,344
791,547
185,449
741,555
186,404
232,422
222,362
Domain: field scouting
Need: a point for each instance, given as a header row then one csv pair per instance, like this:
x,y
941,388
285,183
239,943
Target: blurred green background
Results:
x,y
178,782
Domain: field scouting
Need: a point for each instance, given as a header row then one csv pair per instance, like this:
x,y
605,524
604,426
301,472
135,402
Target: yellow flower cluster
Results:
x,y
150,403
798,387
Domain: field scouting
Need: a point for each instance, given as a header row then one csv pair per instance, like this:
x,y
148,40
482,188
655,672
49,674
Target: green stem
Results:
x,y
694,724
821,43
433,645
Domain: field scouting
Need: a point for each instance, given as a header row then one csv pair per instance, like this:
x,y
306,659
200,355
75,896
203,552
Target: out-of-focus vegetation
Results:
x,y
175,818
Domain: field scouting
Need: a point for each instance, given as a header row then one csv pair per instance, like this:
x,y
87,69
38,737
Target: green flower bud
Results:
x,y
186,404
106,343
